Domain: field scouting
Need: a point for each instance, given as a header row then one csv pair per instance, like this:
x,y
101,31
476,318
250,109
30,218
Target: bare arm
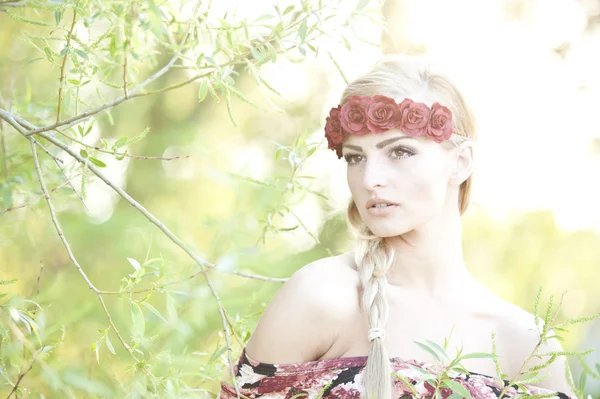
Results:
x,y
300,322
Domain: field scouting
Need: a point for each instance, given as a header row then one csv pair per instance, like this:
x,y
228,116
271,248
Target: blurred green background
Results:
x,y
528,69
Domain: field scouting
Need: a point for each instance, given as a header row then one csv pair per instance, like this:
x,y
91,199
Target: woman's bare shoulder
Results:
x,y
299,324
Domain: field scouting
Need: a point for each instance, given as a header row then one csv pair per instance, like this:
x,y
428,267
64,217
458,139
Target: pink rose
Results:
x,y
381,112
353,116
415,117
333,128
440,123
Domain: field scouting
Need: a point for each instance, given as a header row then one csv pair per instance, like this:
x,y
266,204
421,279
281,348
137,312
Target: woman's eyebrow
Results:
x,y
379,145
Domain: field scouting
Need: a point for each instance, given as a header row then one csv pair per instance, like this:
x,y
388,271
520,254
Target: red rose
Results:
x,y
333,128
353,115
415,117
381,113
440,123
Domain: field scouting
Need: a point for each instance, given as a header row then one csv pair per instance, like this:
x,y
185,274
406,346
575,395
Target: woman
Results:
x,y
345,326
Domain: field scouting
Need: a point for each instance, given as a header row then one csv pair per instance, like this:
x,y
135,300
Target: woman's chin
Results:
x,y
383,231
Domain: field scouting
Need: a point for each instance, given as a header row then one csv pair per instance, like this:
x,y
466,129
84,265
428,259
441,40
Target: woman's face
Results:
x,y
411,172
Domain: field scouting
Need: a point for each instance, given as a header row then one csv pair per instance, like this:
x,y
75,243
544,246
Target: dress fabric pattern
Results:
x,y
342,379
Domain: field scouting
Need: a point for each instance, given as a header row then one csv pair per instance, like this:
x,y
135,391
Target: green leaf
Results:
x,y
153,310
216,355
83,153
120,142
7,197
203,90
109,345
97,162
438,349
121,157
81,53
256,53
429,350
34,60
48,53
302,30
113,46
229,107
134,263
138,137
264,17
96,348
288,9
346,43
58,14
458,388
476,355
139,324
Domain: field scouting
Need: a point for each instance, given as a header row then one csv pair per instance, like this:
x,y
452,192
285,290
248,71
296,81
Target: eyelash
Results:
x,y
407,154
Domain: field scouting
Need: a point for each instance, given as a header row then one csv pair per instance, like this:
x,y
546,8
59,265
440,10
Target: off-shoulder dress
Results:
x,y
342,379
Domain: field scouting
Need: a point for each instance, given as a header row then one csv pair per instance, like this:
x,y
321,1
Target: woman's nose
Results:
x,y
374,175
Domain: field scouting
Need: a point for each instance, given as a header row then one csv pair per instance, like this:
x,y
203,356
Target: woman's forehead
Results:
x,y
372,139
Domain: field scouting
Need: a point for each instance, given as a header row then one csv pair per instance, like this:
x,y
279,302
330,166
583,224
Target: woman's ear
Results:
x,y
463,163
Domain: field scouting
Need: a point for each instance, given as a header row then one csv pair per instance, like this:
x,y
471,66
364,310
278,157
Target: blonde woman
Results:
x,y
345,326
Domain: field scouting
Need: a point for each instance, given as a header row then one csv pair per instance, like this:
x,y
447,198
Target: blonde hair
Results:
x,y
399,77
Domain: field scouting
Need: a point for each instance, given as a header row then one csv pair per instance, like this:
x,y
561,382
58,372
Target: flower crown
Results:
x,y
363,114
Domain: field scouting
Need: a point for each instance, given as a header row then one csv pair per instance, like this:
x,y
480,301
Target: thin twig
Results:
x,y
30,126
257,277
31,201
64,63
7,116
57,160
225,330
274,211
119,154
26,344
22,375
70,253
193,276
125,70
3,142
76,119
40,276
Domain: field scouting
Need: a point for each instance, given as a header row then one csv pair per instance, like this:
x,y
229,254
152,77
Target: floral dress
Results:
x,y
342,379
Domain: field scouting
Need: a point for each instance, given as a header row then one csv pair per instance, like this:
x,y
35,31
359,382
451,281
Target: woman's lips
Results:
x,y
382,211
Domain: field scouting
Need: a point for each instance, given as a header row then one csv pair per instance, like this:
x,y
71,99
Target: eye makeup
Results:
x,y
392,152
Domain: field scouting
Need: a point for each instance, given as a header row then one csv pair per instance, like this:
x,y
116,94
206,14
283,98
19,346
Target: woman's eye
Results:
x,y
400,152
353,158
396,153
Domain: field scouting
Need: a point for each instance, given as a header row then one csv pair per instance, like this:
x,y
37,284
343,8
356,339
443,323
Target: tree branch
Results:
x,y
64,63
